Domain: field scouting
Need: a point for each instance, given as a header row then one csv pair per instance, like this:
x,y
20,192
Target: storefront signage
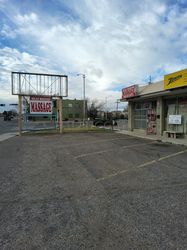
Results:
x,y
175,119
176,80
40,105
129,92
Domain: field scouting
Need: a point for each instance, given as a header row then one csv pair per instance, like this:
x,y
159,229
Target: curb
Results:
x,y
165,140
6,136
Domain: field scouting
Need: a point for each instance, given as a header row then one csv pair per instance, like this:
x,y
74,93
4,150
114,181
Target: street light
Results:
x,y
106,107
84,101
106,103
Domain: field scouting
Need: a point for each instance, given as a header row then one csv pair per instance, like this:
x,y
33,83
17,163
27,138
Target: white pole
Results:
x,y
84,101
60,114
84,98
106,108
20,114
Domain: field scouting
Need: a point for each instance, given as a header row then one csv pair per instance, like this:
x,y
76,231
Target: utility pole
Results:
x,y
106,107
117,102
150,80
84,98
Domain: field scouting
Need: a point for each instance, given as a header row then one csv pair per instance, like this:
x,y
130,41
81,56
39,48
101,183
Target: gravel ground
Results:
x,y
92,191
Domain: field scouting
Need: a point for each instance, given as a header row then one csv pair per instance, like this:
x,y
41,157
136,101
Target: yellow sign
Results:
x,y
176,79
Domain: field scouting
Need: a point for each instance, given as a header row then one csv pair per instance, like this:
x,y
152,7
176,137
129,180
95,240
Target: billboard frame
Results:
x,y
44,87
40,87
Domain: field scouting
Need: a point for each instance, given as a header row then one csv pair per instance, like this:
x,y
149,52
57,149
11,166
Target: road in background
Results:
x,y
8,126
12,126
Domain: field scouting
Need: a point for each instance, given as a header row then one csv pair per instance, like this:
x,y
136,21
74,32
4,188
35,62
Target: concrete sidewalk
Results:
x,y
7,136
179,141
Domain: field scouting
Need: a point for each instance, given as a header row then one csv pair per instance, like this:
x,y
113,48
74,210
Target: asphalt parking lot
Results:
x,y
92,191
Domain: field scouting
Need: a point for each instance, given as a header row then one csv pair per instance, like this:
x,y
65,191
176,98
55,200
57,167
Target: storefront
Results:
x,y
159,108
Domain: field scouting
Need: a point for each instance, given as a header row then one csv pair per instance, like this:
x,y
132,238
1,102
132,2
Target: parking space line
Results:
x,y
141,165
109,150
174,154
95,142
93,153
138,144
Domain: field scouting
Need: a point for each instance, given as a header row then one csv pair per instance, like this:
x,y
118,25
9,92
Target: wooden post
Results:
x,y
60,115
20,114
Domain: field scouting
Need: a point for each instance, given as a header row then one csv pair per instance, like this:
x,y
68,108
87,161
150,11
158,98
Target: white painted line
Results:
x,y
142,165
138,144
174,154
93,153
109,150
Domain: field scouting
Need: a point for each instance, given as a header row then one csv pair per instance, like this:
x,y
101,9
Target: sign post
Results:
x,y
60,115
20,114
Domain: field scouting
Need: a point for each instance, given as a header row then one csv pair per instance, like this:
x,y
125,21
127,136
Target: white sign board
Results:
x,y
175,119
40,105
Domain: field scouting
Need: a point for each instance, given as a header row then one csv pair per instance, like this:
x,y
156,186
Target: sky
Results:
x,y
115,43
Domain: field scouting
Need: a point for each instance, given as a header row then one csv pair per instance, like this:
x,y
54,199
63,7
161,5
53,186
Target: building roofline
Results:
x,y
154,90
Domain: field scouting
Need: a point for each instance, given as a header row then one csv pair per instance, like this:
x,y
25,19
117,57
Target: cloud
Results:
x,y
31,18
14,60
112,42
7,32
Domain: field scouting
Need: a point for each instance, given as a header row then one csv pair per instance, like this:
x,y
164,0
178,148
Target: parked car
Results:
x,y
104,122
110,123
7,115
98,122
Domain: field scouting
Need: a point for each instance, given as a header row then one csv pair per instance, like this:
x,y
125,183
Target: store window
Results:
x,y
176,106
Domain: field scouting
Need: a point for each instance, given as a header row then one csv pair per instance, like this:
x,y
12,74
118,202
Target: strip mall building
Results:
x,y
159,108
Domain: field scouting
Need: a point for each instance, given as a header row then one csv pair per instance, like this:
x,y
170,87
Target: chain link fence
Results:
x,y
122,124
34,124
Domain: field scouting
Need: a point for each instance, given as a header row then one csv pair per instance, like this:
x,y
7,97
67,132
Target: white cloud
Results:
x,y
111,42
13,60
7,32
31,18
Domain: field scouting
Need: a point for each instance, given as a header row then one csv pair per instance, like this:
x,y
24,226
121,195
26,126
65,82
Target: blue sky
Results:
x,y
114,42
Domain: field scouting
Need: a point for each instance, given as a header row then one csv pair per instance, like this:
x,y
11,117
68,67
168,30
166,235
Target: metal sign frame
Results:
x,y
27,84
38,84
